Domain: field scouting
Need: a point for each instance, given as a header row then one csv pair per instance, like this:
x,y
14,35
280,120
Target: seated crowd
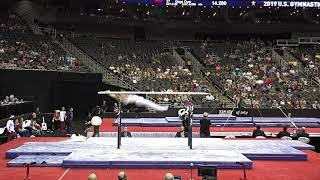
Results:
x,y
20,49
18,127
309,57
145,65
11,100
35,125
249,75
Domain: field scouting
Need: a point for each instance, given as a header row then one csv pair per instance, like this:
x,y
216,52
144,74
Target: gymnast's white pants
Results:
x,y
142,102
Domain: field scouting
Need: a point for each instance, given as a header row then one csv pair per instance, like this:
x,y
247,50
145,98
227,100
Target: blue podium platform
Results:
x,y
218,120
155,152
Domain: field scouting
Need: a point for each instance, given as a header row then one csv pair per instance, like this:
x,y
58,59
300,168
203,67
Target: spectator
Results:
x,y
97,111
92,177
21,130
301,132
34,117
115,108
258,132
122,176
96,122
6,100
168,176
185,121
315,105
11,129
104,106
36,128
69,119
283,133
182,133
38,113
209,98
12,99
62,118
27,127
88,124
56,120
10,125
205,124
18,127
125,132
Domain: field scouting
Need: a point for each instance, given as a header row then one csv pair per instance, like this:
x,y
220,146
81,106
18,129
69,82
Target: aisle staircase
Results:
x,y
196,68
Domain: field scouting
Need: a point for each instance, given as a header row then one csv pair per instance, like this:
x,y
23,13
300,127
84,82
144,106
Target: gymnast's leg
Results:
x,y
142,102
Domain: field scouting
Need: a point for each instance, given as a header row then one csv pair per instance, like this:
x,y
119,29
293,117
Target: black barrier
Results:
x,y
15,109
242,112
53,89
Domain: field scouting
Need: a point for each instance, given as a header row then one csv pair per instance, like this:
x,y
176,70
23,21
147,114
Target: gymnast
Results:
x,y
139,101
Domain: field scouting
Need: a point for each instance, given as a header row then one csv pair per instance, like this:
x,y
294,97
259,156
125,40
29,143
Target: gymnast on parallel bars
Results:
x,y
139,101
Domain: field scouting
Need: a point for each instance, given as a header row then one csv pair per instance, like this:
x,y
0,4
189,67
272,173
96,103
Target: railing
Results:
x,y
287,56
287,42
49,31
302,69
278,58
221,91
297,42
309,40
198,67
314,76
94,66
178,58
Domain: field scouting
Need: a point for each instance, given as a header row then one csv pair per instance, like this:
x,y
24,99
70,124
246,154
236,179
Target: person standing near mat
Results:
x,y
69,119
62,119
205,124
96,127
186,122
56,120
10,128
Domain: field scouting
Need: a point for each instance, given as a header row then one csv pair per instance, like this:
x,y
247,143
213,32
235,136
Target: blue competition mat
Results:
x,y
155,152
38,160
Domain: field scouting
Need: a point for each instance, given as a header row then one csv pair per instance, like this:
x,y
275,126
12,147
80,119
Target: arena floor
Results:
x,y
263,169
155,152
